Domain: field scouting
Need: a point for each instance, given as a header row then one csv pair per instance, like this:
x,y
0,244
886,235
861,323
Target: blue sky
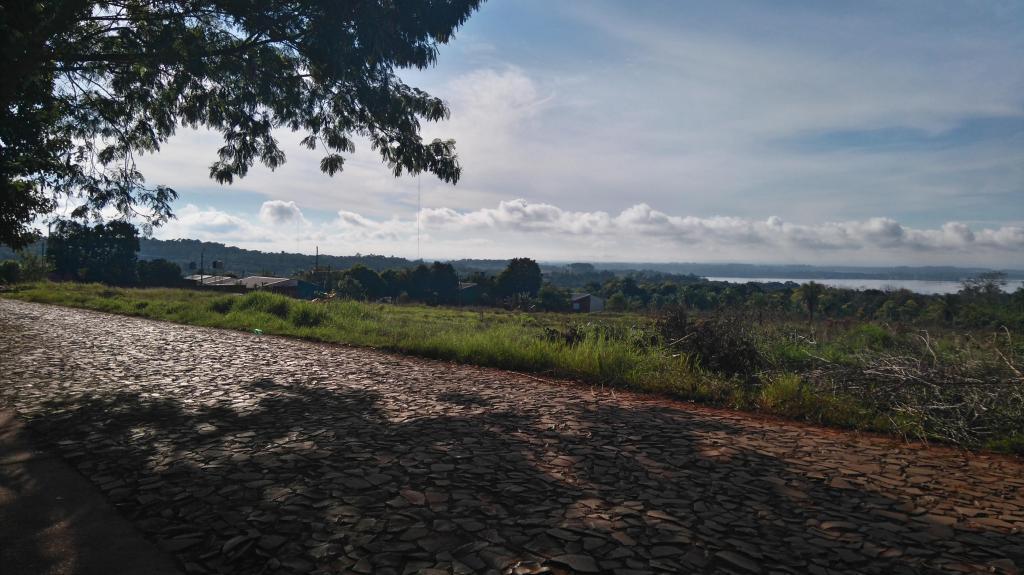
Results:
x,y
867,132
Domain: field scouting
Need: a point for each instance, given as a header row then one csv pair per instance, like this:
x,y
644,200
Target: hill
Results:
x,y
244,261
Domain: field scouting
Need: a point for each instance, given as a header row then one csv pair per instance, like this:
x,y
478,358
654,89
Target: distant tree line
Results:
x,y
108,253
105,253
437,284
981,301
243,261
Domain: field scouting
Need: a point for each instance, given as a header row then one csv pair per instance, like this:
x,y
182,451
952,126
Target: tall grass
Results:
x,y
508,340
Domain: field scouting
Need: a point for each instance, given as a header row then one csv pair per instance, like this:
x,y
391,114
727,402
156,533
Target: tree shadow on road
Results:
x,y
299,478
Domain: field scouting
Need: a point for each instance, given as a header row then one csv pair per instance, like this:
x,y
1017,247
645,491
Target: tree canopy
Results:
x,y
90,85
104,253
522,277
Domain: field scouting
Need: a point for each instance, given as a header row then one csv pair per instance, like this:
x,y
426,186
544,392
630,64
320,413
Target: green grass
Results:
x,y
509,340
621,350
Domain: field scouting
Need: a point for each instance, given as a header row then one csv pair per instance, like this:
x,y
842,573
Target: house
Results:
x,y
586,303
208,279
290,287
469,293
255,282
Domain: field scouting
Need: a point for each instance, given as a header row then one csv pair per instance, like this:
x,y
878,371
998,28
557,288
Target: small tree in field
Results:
x,y
553,299
617,302
809,295
521,279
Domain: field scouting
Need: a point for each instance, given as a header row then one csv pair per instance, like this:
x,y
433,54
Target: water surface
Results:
x,y
918,286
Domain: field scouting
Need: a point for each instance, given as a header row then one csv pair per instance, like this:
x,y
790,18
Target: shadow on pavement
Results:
x,y
53,521
276,477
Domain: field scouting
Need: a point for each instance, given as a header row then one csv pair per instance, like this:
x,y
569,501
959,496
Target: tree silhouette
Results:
x,y
809,294
159,273
104,253
522,278
89,85
371,285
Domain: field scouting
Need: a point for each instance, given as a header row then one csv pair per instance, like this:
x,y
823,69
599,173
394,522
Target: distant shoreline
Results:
x,y
925,287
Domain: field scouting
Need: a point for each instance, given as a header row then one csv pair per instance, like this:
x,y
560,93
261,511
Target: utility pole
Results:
x,y
42,247
316,268
419,208
202,265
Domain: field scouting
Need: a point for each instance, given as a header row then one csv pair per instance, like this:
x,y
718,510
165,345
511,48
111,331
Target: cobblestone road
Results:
x,y
247,454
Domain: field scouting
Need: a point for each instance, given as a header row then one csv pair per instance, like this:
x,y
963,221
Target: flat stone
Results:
x,y
578,563
737,560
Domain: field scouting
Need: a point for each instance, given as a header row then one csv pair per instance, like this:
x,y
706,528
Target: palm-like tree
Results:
x,y
809,294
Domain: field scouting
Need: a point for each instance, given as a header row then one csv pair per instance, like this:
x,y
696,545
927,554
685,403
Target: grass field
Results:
x,y
862,376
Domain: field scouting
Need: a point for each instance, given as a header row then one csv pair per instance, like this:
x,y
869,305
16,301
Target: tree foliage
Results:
x,y
88,86
522,277
809,294
10,272
103,253
159,273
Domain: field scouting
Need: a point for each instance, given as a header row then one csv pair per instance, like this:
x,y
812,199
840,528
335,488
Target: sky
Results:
x,y
851,133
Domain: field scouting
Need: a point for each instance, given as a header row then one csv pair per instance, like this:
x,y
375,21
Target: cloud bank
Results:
x,y
546,231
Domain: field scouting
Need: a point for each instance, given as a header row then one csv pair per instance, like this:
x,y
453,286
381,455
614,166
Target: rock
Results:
x,y
578,563
739,561
271,542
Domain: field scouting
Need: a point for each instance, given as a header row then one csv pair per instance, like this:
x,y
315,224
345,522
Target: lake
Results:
x,y
918,286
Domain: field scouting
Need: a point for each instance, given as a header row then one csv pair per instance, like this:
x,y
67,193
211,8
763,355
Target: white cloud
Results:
x,y
638,233
210,224
280,212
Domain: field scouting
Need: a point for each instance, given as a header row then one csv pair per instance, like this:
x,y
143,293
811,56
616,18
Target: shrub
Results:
x,y
617,302
720,344
223,304
33,267
274,304
10,272
869,336
1013,444
785,395
307,315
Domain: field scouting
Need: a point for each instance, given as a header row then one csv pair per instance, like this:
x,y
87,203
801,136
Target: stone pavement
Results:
x,y
53,521
251,454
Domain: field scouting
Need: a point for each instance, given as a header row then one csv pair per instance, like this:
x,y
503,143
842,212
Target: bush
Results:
x,y
10,272
307,315
719,344
617,302
552,298
33,267
223,304
274,304
868,336
785,395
